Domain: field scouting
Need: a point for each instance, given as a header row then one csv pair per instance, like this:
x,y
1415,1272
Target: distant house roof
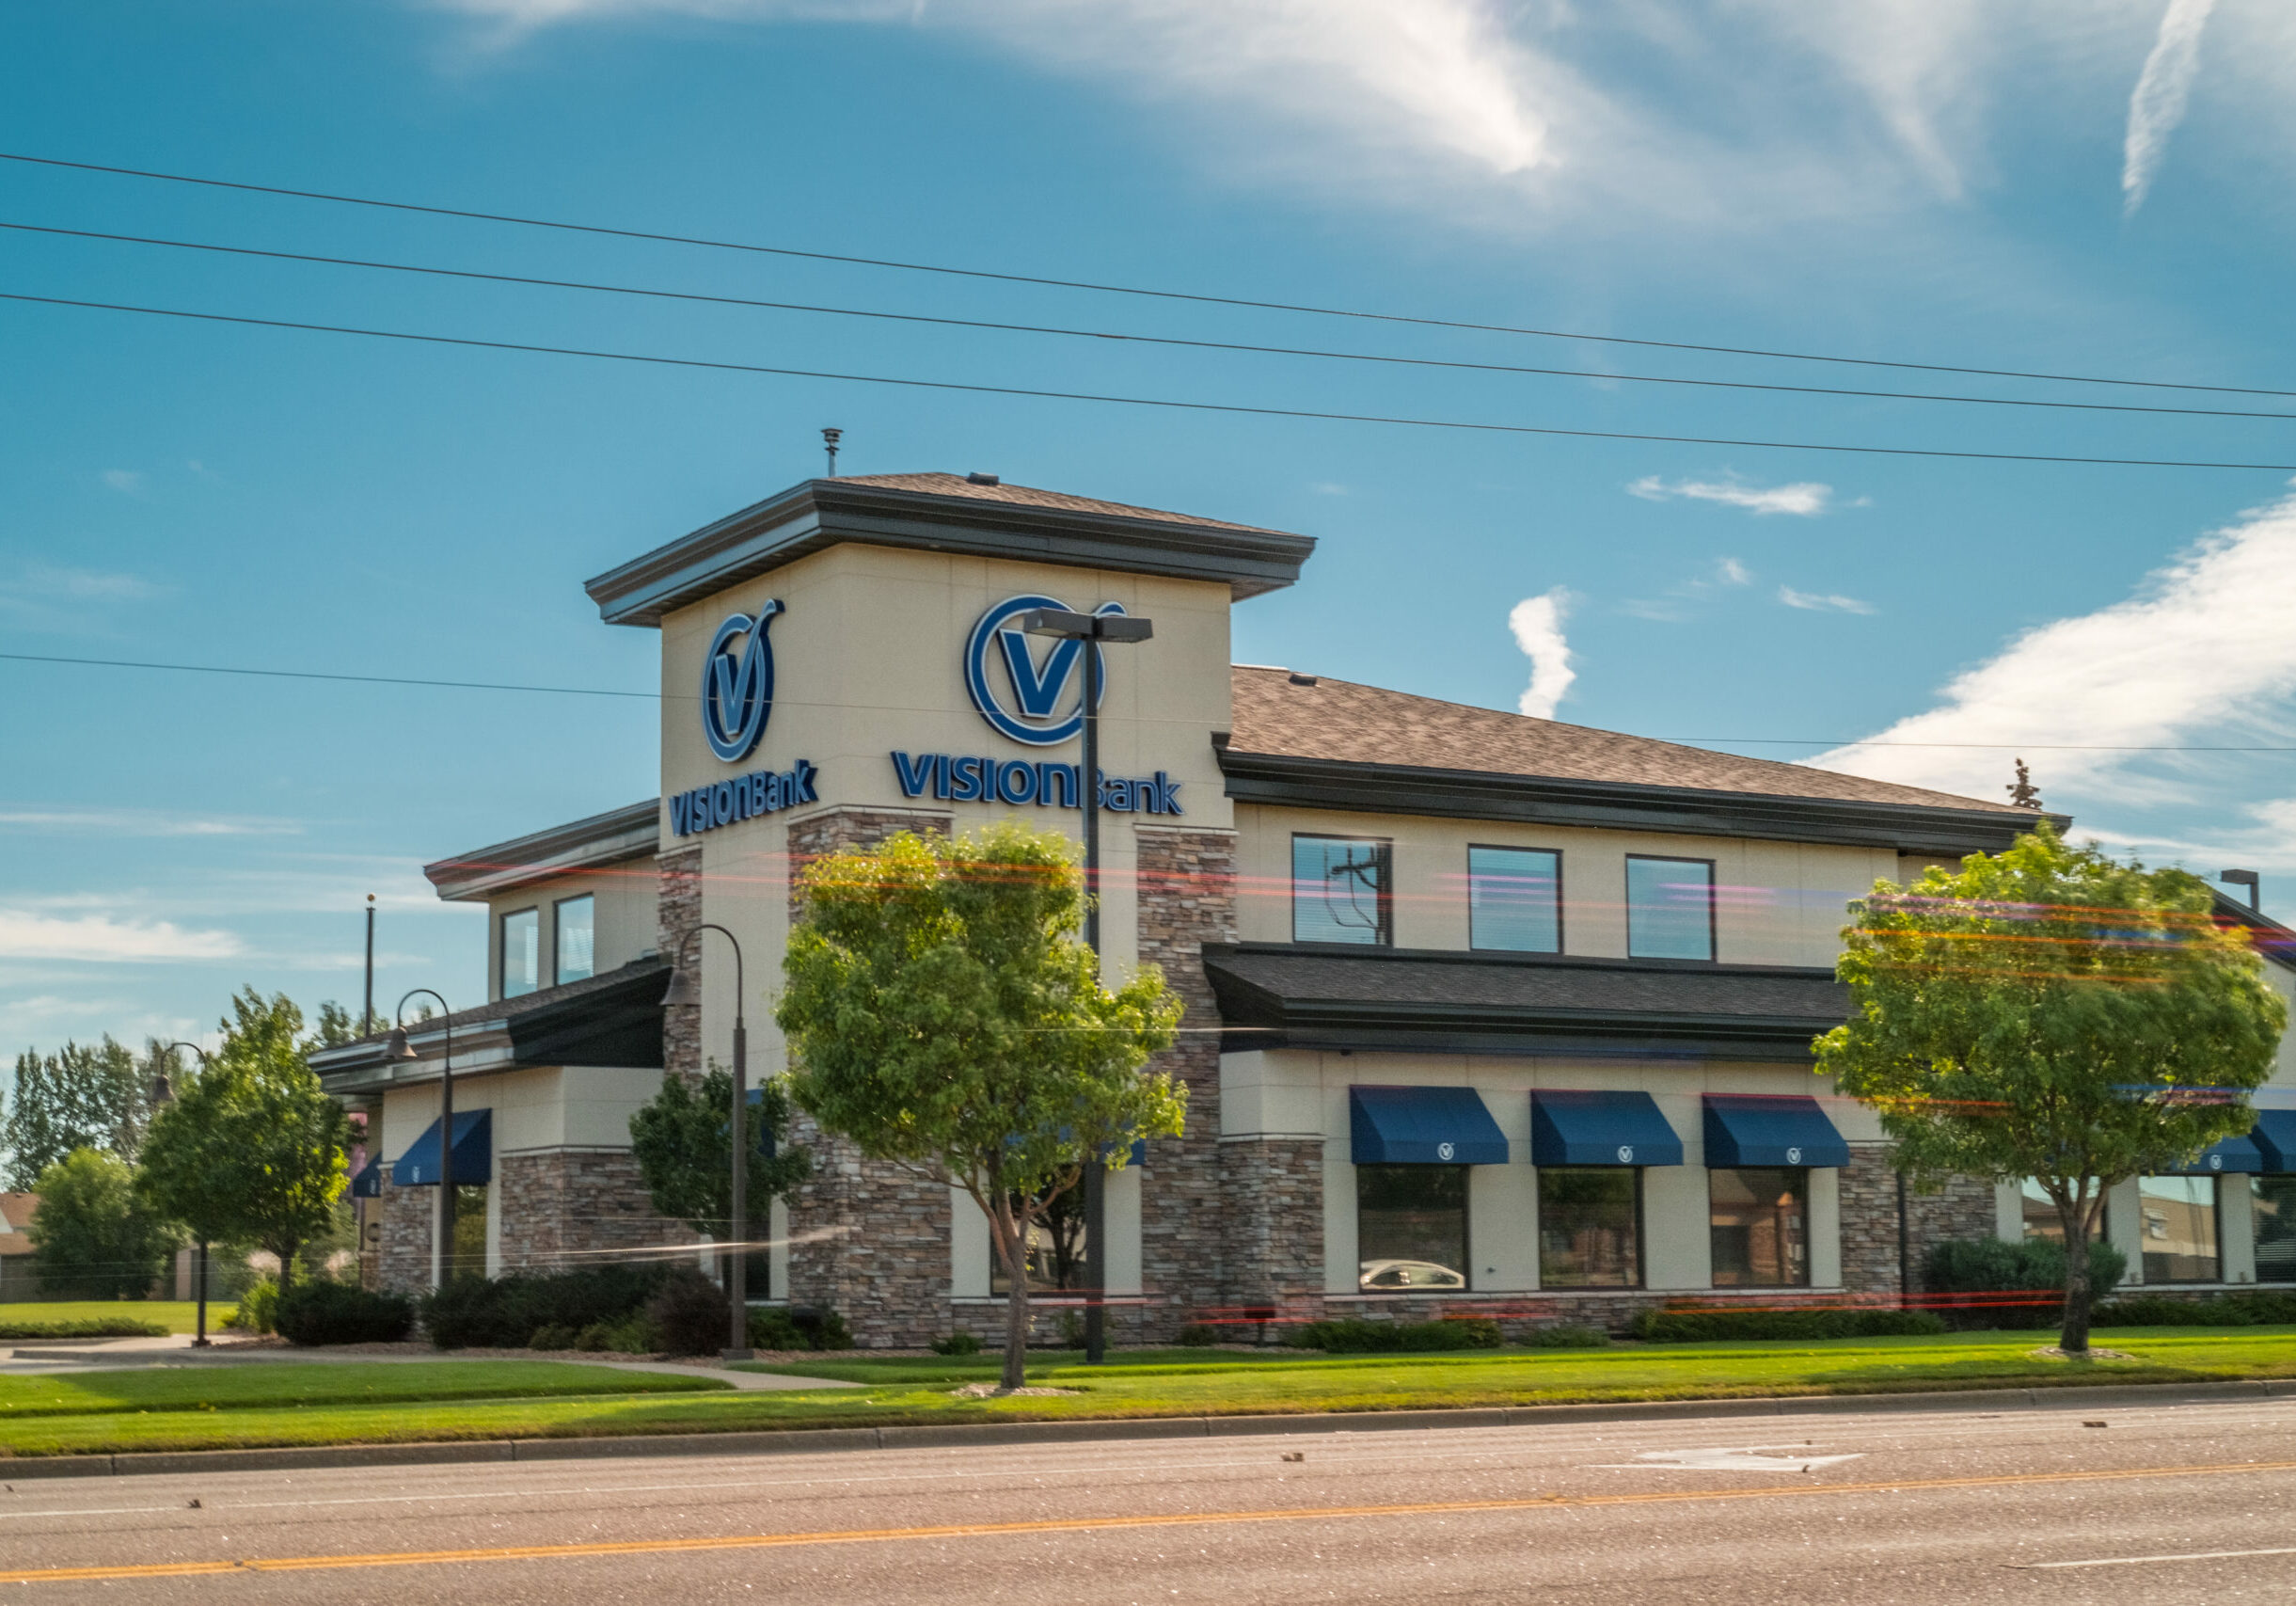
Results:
x,y
945,513
630,832
1318,743
16,1213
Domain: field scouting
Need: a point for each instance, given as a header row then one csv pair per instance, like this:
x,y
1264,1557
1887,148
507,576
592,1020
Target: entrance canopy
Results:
x,y
1423,1126
2241,1155
1569,1127
1754,1129
2275,1137
473,1153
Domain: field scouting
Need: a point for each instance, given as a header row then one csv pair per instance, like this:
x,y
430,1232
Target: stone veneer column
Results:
x,y
679,911
1272,1210
562,1206
1187,898
867,1239
1962,1208
410,1231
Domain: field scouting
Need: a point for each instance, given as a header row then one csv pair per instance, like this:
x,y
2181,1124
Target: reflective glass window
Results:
x,y
1590,1226
521,953
2040,1213
1669,908
1758,1222
1057,1254
2273,1206
1514,899
1340,890
2176,1228
1411,1227
469,1230
576,948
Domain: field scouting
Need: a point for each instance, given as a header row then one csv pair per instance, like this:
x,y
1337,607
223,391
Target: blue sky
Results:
x,y
2094,188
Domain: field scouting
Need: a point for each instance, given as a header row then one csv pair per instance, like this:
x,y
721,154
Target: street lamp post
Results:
x,y
1092,630
398,1050
163,1092
686,989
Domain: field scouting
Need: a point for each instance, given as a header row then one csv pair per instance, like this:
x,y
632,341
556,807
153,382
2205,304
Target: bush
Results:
x,y
317,1312
633,1334
1566,1335
257,1308
93,1328
1352,1335
798,1327
1197,1335
692,1314
2216,1311
557,1335
1708,1327
503,1312
771,1328
1989,1265
956,1344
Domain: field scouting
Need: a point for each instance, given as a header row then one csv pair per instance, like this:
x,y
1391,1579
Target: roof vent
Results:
x,y
982,479
1299,680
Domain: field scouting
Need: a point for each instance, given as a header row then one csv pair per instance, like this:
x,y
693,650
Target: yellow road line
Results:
x,y
1096,1525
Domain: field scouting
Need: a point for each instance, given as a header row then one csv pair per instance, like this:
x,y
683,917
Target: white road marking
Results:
x,y
2188,1556
1719,1458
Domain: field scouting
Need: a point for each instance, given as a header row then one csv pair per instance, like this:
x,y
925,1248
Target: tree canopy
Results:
x,y
683,1142
943,1014
83,1096
2053,1013
92,1237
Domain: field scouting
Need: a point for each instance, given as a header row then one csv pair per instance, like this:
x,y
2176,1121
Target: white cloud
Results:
x,y
2208,641
141,822
27,934
127,482
1674,606
1537,624
2157,105
1805,498
1830,603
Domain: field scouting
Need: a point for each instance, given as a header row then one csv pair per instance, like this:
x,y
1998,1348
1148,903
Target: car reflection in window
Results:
x,y
1409,1274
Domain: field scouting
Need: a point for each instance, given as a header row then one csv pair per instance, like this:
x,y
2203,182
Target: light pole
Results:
x,y
398,1051
163,1092
686,989
1092,630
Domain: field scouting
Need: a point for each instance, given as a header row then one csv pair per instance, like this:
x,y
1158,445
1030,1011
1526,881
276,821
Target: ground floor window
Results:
x,y
2176,1228
469,1230
2274,1209
2041,1220
1760,1222
1058,1255
1590,1226
1411,1227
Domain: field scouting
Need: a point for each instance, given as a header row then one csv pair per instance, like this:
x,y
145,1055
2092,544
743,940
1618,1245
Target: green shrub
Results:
x,y
956,1344
502,1312
1197,1335
633,1334
771,1328
92,1327
692,1314
1989,1265
1708,1327
1566,1335
2261,1309
257,1308
1352,1335
798,1326
1072,1330
318,1312
555,1335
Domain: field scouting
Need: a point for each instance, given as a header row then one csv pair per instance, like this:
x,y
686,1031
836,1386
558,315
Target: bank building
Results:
x,y
1485,1013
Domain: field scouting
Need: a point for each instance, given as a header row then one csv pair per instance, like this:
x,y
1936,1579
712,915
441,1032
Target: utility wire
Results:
x,y
534,282
1123,288
665,697
1233,407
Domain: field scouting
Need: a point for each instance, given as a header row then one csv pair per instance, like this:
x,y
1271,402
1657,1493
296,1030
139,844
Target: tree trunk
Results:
x,y
2073,1339
287,1266
1011,1244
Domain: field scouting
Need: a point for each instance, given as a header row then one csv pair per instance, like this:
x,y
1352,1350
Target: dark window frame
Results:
x,y
1642,1229
1466,1232
1809,1236
558,931
502,950
1714,928
1384,850
1561,935
2216,1230
2256,1241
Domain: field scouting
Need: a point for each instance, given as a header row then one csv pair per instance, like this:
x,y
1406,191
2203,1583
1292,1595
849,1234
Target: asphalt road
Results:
x,y
2160,1504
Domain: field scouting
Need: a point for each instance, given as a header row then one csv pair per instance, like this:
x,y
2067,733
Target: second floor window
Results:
x,y
1514,899
1340,891
1669,908
576,948
521,953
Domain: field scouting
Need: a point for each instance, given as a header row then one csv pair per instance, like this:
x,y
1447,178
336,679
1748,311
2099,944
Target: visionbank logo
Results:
x,y
738,684
1046,703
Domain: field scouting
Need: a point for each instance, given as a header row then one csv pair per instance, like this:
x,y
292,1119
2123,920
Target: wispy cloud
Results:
x,y
141,822
1826,603
1805,498
2204,644
28,934
2163,91
1537,624
1679,600
127,482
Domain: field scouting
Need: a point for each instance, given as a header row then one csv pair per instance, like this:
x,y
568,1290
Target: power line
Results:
x,y
998,326
1232,407
1096,287
666,698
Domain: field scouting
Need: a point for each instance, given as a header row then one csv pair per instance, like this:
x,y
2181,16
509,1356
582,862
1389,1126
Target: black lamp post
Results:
x,y
1092,630
398,1051
686,989
163,1092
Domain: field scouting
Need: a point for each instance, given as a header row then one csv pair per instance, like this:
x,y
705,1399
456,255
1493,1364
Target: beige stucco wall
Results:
x,y
624,913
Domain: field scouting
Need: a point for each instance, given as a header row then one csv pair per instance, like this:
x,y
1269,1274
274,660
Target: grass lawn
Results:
x,y
176,1315
1136,1384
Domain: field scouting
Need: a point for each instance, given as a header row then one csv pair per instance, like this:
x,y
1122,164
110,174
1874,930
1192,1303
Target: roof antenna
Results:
x,y
2023,794
830,438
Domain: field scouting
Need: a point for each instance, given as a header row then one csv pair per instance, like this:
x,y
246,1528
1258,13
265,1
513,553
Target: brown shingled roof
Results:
x,y
1028,496
1342,722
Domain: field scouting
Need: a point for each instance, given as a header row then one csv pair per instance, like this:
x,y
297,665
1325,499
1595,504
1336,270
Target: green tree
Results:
x,y
92,1237
337,1026
83,1096
683,1141
943,1015
2053,1013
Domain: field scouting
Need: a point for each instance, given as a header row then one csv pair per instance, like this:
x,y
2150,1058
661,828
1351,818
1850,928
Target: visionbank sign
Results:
x,y
1035,701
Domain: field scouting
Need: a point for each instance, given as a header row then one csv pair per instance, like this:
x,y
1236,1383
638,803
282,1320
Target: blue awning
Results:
x,y
2241,1155
473,1154
2275,1137
369,1183
1423,1126
1569,1127
1754,1129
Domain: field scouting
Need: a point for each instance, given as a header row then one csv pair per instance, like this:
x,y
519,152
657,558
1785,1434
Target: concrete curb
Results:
x,y
956,1435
